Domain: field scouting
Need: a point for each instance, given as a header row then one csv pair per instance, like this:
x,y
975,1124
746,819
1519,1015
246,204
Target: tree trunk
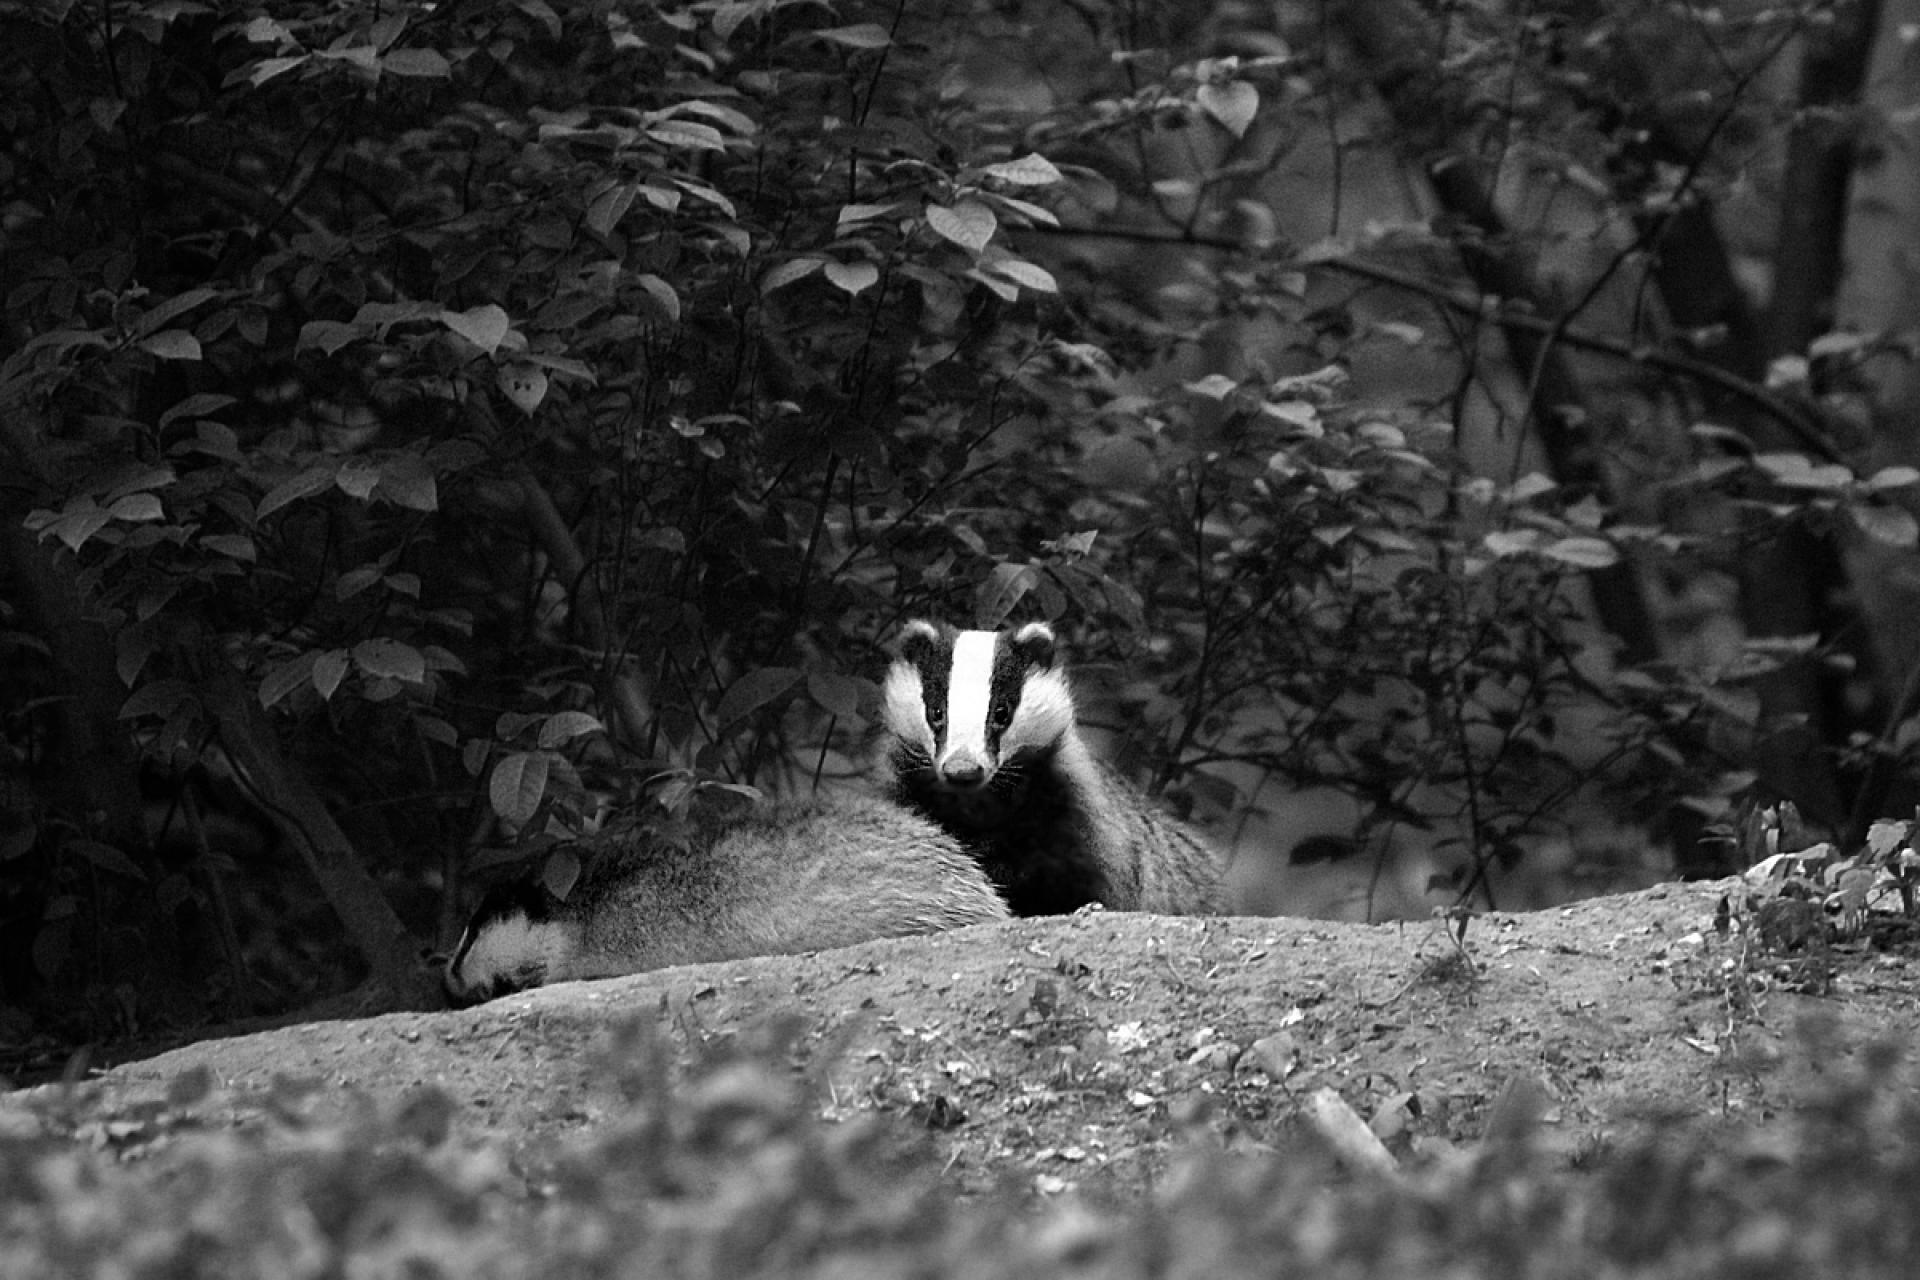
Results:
x,y
1879,294
392,954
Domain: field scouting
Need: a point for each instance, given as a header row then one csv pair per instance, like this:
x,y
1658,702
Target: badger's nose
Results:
x,y
963,773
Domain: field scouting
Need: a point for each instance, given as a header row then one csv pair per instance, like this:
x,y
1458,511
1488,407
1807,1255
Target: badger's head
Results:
x,y
516,937
969,714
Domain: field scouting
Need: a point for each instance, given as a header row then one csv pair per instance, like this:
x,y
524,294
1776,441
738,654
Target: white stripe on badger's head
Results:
x,y
966,758
960,704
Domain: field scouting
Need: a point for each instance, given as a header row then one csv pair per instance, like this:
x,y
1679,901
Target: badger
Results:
x,y
978,732
794,876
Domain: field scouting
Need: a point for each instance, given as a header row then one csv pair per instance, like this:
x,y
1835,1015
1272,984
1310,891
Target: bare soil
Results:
x,y
1084,1051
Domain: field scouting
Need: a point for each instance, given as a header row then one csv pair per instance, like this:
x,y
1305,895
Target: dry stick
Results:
x,y
1353,1143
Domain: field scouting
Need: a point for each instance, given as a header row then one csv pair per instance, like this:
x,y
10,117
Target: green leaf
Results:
x,y
374,319
541,12
354,581
518,783
1233,104
137,507
386,29
1512,542
565,726
1886,835
315,479
701,191
158,698
852,277
560,873
106,857
665,199
1795,471
484,326
287,677
329,669
524,384
357,478
1024,209
738,121
196,406
728,16
662,294
1531,486
172,309
434,729
788,272
234,546
1582,553
140,479
854,213
362,57
326,336
1004,588
1215,386
384,656
611,205
690,134
969,224
1889,526
264,30
755,690
407,480
269,68
1025,274
1892,478
82,519
1030,170
864,35
836,694
428,64
171,344
132,646
19,842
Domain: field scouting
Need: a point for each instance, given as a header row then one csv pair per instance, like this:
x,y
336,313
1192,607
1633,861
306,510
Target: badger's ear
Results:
x,y
916,641
1035,645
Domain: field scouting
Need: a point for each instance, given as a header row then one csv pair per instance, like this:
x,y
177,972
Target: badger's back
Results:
x,y
800,875
793,876
979,734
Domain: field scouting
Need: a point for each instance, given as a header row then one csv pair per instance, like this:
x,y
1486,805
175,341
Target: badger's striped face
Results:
x,y
965,708
507,946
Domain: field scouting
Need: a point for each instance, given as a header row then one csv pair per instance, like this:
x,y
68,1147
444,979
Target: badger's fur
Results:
x,y
979,734
795,876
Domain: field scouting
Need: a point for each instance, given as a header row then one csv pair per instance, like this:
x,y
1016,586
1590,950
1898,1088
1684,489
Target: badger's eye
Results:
x,y
1000,715
936,718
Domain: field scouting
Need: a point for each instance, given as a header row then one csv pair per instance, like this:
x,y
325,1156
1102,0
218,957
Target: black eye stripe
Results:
x,y
1009,675
933,659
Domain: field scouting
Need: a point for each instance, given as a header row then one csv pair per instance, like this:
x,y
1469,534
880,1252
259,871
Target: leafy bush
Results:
x,y
727,1172
434,426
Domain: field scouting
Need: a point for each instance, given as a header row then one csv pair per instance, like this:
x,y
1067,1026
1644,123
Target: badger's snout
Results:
x,y
963,772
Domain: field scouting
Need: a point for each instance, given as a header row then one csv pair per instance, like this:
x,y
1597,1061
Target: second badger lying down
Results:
x,y
794,876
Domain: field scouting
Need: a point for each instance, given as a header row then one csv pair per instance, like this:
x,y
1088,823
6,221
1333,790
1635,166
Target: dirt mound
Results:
x,y
1085,1050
